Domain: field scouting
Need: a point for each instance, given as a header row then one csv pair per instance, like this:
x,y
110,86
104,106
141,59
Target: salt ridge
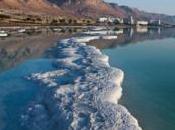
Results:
x,y
82,92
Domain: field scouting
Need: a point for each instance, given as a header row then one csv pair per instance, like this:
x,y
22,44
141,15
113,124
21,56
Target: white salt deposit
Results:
x,y
85,39
81,94
101,32
109,37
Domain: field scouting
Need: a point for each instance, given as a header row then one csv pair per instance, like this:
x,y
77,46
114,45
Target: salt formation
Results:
x,y
81,93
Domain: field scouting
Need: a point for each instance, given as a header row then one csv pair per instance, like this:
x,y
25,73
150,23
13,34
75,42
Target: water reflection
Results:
x,y
135,35
19,47
35,41
148,87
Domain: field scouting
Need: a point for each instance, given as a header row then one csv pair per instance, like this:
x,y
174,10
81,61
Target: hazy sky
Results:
x,y
158,6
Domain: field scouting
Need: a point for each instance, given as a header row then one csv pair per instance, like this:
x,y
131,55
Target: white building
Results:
x,y
142,23
110,19
103,19
131,20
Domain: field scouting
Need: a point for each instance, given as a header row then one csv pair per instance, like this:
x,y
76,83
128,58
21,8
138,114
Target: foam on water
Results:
x,y
82,92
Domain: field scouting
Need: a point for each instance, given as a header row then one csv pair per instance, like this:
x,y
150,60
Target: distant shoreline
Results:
x,y
78,26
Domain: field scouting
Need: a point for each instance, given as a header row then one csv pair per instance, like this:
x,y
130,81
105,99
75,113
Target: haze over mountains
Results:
x,y
80,8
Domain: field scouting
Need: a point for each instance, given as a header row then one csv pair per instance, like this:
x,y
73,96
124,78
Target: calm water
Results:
x,y
149,84
147,58
20,56
16,92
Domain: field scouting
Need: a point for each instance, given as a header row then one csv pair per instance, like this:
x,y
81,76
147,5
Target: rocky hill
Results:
x,y
31,6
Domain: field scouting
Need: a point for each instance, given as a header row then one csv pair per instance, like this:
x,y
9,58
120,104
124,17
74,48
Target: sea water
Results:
x,y
16,92
149,84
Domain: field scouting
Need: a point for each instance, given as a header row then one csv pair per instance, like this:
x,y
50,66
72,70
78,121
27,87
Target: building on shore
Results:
x,y
102,19
155,22
142,23
110,20
132,22
129,21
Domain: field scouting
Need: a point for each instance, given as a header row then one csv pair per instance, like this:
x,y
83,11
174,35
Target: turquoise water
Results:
x,y
149,84
17,92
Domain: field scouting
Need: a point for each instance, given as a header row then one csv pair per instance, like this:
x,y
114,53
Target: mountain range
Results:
x,y
81,8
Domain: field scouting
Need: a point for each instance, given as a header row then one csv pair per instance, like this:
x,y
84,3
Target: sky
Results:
x,y
156,6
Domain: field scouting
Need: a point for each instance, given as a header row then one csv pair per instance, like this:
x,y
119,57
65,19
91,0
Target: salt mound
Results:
x,y
82,93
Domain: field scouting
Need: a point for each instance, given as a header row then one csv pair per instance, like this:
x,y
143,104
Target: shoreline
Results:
x,y
95,25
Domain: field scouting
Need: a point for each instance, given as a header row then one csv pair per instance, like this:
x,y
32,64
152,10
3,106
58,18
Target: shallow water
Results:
x,y
149,84
16,92
20,56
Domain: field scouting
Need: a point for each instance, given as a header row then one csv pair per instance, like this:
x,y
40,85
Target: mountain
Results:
x,y
31,6
86,8
81,8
